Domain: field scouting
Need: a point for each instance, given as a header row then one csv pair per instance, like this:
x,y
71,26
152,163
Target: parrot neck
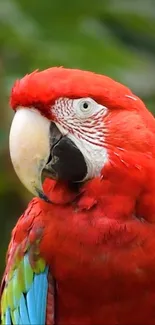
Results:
x,y
59,192
123,189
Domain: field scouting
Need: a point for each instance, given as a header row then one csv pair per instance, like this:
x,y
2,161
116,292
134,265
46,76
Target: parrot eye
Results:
x,y
85,107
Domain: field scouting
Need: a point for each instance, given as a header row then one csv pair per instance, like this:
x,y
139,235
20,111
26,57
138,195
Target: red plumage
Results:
x,y
100,240
41,89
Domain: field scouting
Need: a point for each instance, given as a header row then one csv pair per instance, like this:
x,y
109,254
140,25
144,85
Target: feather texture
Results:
x,y
99,241
25,285
25,304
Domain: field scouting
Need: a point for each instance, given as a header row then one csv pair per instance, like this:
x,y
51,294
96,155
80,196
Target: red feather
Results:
x,y
100,241
41,89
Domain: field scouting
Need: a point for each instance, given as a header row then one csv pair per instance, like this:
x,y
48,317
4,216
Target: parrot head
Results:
x,y
71,125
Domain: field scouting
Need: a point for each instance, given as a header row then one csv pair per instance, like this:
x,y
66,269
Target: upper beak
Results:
x,y
30,148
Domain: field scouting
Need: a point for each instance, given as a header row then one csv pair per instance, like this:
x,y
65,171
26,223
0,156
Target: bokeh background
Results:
x,y
113,37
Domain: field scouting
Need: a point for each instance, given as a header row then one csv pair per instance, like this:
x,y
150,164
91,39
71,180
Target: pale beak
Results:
x,y
30,148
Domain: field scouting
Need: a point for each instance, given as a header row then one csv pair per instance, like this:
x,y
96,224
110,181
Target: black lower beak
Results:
x,y
66,162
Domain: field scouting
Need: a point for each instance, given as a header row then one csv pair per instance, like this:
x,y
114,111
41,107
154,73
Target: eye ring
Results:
x,y
86,106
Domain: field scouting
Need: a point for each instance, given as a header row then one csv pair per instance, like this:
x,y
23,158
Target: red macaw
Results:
x,y
83,253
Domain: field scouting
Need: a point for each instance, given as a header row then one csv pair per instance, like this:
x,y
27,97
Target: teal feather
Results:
x,y
23,311
42,296
24,298
31,306
8,317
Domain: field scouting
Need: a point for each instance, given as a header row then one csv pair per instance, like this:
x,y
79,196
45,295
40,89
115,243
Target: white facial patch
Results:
x,y
95,156
82,120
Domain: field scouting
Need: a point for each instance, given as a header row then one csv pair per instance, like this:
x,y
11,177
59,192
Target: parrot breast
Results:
x,y
101,254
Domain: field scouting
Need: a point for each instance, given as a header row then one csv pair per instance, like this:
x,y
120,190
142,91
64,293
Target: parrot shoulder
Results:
x,y
27,288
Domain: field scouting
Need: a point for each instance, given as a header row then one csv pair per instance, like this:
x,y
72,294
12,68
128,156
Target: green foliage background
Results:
x,y
113,37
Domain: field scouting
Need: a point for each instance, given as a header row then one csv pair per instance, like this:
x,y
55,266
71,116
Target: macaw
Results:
x,y
83,252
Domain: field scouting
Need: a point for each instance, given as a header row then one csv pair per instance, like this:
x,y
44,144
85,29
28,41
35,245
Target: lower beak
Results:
x,y
30,148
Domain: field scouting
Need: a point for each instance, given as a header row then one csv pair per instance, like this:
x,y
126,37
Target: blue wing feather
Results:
x,y
36,303
25,284
42,297
30,307
8,317
24,317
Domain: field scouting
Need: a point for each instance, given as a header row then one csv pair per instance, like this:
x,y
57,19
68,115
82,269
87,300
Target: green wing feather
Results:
x,y
20,301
